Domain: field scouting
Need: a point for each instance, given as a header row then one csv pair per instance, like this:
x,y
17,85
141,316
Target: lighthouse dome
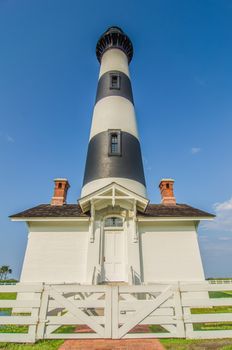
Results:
x,y
114,38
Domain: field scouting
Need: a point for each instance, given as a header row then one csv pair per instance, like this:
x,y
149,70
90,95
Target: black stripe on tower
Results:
x,y
99,164
114,83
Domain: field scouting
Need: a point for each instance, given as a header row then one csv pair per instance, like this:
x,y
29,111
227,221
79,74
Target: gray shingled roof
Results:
x,y
74,210
178,210
47,210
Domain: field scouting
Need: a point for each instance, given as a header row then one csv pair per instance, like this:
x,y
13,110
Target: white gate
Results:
x,y
75,311
87,309
146,312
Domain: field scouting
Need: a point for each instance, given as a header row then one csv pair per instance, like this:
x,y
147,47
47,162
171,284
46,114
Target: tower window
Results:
x,y
60,185
114,142
115,81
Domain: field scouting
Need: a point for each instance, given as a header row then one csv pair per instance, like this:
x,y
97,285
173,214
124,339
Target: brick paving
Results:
x,y
111,344
137,329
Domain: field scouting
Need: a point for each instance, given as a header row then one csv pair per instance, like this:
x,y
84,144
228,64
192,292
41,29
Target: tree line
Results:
x,y
4,272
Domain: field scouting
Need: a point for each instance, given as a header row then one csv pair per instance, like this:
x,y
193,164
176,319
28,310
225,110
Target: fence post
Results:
x,y
115,311
180,327
188,326
32,328
42,314
108,311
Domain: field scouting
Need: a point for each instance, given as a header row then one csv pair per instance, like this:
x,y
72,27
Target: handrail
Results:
x,y
94,277
131,278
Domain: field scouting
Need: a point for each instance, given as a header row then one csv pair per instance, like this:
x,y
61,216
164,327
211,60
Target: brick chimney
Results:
x,y
60,192
166,191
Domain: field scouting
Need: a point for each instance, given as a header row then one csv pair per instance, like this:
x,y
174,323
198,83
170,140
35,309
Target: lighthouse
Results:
x,y
114,152
113,233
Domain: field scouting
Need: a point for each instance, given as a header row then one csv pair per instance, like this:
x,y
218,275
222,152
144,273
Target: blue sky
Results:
x,y
181,75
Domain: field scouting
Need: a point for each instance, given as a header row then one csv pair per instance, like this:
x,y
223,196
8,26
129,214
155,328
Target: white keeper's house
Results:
x,y
113,233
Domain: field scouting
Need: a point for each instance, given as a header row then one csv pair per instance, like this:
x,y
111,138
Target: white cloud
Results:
x,y
195,150
225,238
147,164
203,238
218,248
223,220
9,138
200,81
6,137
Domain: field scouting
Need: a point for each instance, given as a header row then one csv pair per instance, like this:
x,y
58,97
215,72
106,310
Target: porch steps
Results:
x,y
112,344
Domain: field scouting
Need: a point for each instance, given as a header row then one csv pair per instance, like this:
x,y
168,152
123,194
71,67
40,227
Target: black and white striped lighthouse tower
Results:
x,y
114,153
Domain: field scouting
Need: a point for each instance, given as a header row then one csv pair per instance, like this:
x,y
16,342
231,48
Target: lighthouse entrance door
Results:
x,y
114,256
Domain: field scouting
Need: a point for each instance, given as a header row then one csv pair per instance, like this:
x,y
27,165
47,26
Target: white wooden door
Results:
x,y
114,264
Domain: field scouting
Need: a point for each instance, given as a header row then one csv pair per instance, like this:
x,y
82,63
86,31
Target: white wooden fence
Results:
x,y
215,281
145,311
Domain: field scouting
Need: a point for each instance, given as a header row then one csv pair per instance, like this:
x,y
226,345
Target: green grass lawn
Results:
x,y
219,278
212,310
40,345
66,329
223,294
8,296
212,326
200,344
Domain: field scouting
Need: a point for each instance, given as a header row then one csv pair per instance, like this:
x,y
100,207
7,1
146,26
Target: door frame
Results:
x,y
124,235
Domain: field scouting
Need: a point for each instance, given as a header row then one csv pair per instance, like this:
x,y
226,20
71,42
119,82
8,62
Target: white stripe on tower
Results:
x,y
114,112
114,153
114,59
